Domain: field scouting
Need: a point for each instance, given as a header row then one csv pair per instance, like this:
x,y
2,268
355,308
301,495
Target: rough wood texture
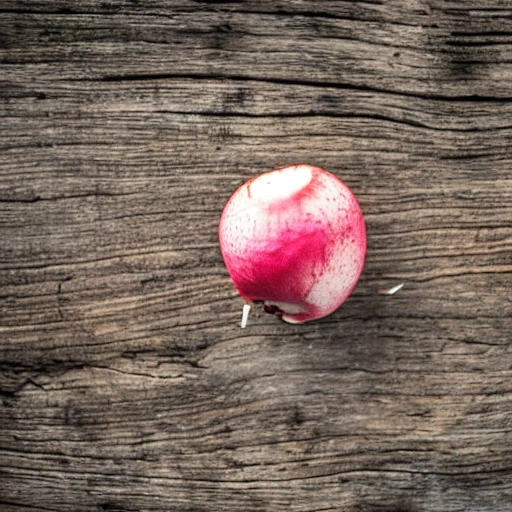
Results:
x,y
125,381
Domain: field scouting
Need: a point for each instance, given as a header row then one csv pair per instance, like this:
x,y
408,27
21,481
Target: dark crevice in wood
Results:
x,y
492,33
41,12
469,156
468,44
323,15
37,198
215,2
333,115
33,199
474,62
470,98
24,506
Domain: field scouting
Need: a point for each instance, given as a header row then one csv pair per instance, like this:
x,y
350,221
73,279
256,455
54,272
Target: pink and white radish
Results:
x,y
294,239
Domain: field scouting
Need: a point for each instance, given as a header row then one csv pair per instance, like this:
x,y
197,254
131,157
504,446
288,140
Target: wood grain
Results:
x,y
125,381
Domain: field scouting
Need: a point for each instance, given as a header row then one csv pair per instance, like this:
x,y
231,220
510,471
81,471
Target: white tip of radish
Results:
x,y
245,315
280,185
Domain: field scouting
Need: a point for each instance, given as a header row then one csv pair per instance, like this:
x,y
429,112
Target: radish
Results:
x,y
295,240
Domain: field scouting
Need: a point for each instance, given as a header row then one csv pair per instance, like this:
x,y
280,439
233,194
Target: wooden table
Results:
x,y
126,383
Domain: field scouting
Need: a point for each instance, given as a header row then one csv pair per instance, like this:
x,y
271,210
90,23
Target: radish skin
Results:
x,y
294,239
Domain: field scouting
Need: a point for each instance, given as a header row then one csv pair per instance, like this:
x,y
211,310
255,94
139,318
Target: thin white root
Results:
x,y
245,315
391,291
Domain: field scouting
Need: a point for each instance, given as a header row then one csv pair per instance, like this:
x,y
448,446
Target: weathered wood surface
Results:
x,y
125,381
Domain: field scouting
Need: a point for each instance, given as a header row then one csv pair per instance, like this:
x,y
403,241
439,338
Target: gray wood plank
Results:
x,y
125,381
